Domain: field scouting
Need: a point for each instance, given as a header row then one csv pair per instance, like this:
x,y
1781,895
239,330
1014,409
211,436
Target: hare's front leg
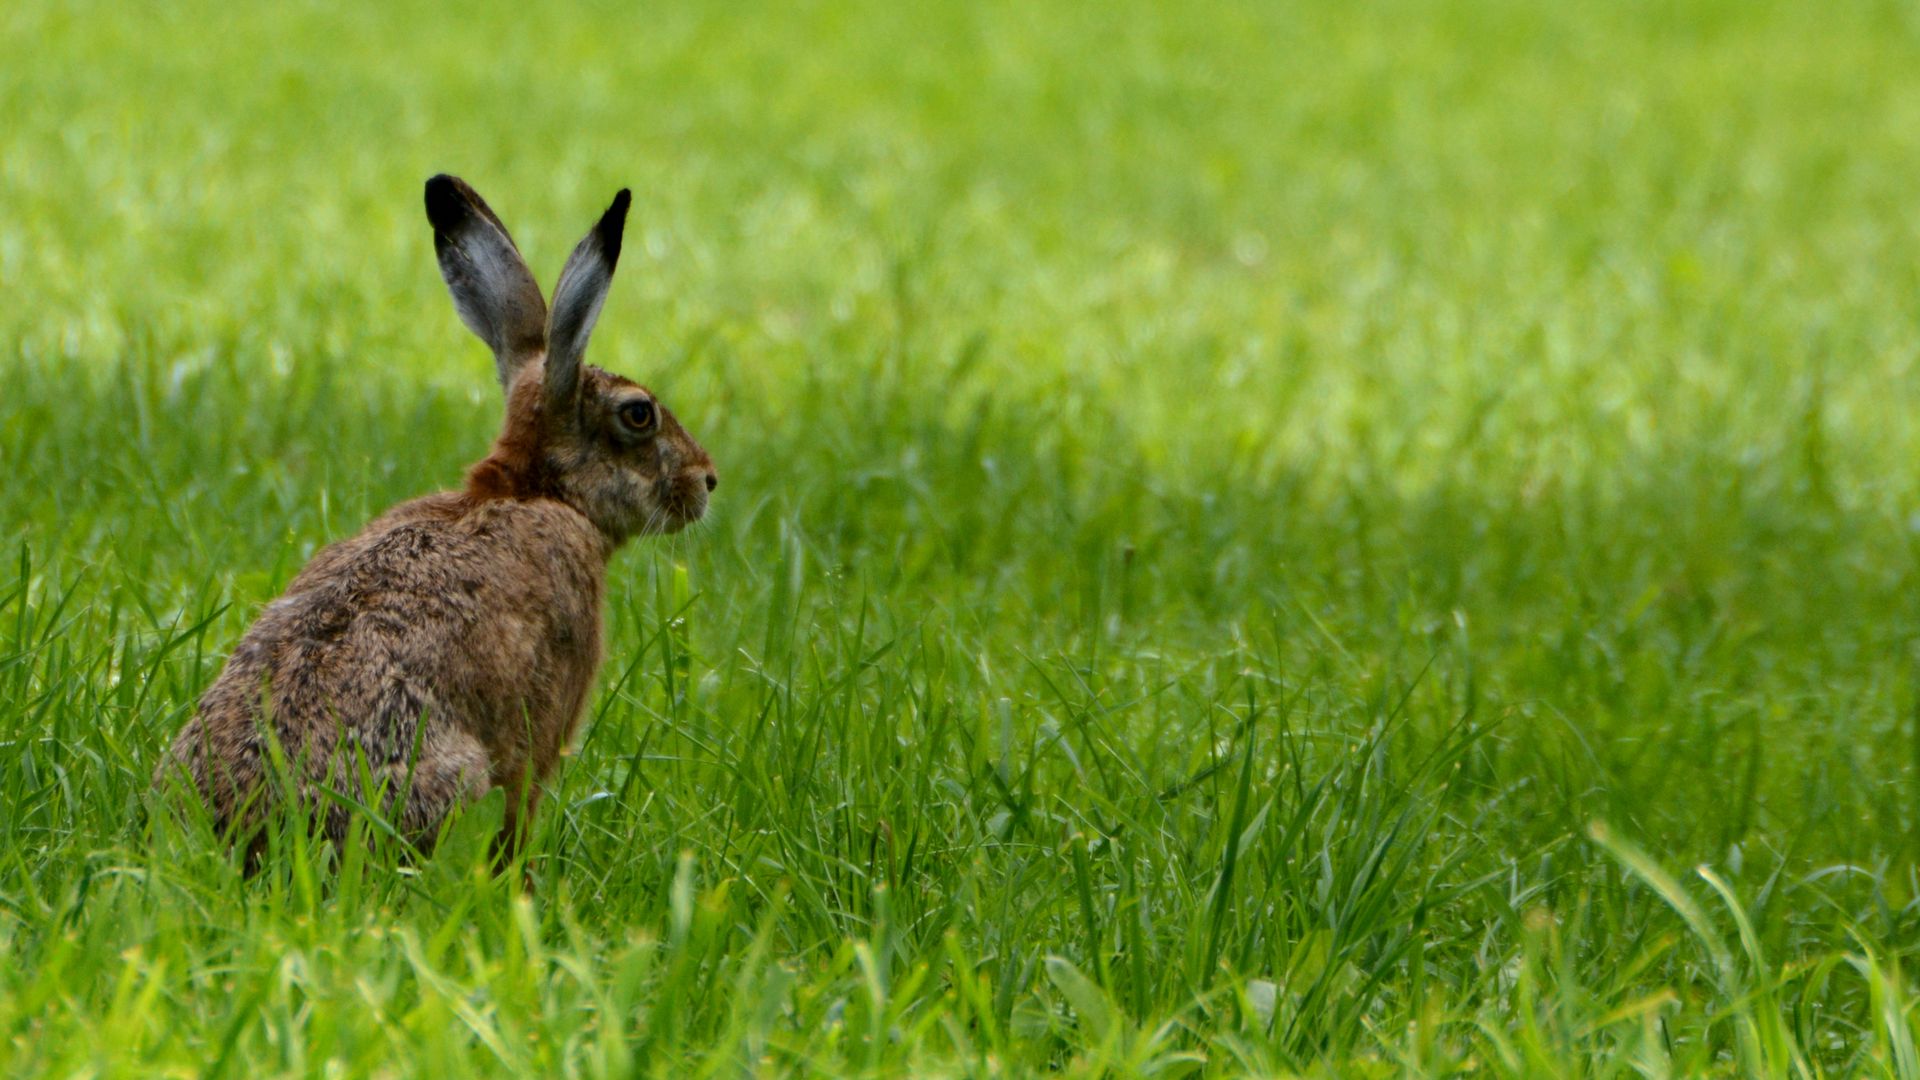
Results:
x,y
523,794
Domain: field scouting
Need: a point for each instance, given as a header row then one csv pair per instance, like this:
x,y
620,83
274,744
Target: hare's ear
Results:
x,y
492,288
577,297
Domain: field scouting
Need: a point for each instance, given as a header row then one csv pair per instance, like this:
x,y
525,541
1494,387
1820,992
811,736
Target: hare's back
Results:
x,y
452,611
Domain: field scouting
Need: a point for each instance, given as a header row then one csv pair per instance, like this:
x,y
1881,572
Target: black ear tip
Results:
x,y
613,223
615,219
446,206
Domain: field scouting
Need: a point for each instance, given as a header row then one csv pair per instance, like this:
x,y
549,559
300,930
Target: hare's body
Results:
x,y
450,647
422,650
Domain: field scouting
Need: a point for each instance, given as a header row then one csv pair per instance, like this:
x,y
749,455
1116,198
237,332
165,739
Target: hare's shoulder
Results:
x,y
439,590
450,543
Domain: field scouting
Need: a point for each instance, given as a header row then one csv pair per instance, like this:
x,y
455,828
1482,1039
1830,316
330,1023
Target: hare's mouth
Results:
x,y
675,520
681,506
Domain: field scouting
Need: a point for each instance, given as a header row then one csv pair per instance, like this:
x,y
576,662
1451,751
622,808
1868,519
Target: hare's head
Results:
x,y
595,440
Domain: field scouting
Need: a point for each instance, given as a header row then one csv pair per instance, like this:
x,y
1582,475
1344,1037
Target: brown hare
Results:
x,y
449,648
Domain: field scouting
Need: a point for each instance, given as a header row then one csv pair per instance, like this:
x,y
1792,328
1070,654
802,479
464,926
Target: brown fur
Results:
x,y
450,647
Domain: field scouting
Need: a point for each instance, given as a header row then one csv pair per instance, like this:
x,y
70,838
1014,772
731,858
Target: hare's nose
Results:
x,y
712,481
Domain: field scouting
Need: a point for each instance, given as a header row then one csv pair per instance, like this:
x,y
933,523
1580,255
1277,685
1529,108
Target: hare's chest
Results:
x,y
539,646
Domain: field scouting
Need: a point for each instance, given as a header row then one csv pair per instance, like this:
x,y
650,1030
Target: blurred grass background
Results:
x,y
1114,402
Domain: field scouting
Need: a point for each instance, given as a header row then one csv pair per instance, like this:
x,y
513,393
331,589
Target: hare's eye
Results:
x,y
637,415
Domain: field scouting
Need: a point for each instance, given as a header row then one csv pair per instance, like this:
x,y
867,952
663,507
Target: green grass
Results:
x,y
1349,540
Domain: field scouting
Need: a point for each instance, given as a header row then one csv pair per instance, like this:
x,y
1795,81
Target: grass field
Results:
x,y
1330,539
